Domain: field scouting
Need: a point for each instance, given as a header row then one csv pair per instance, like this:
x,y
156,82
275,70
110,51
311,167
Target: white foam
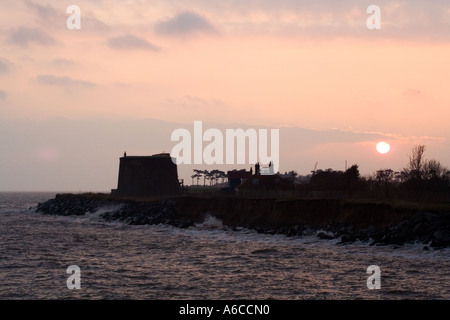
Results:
x,y
210,223
96,215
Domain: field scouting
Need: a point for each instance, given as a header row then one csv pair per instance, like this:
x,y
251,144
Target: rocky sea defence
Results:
x,y
377,223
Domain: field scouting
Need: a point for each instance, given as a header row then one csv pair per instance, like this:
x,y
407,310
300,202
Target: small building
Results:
x,y
264,170
147,176
236,178
261,182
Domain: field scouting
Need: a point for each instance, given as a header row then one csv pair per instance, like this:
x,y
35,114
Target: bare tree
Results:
x,y
416,163
385,175
433,169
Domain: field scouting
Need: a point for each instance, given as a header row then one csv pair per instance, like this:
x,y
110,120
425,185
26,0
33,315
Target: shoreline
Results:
x,y
376,222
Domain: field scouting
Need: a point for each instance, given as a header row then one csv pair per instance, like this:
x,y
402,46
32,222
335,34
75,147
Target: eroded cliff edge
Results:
x,y
347,220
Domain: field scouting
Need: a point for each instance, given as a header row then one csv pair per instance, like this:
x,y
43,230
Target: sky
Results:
x,y
72,101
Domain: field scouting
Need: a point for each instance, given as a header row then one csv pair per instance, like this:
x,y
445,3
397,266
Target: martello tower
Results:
x,y
147,176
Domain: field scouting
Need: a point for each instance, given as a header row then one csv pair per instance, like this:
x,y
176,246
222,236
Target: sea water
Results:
x,y
208,261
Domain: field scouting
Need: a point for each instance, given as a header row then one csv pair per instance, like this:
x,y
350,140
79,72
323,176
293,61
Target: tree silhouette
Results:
x,y
424,177
213,176
221,175
415,165
292,175
216,174
205,176
352,173
432,169
384,175
198,174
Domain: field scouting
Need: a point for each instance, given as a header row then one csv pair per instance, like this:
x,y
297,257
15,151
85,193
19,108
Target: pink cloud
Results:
x,y
46,154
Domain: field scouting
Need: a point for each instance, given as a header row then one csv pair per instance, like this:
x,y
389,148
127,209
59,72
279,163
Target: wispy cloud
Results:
x,y
61,62
5,65
23,37
92,24
196,103
51,80
2,95
185,23
412,92
54,17
45,12
413,19
131,42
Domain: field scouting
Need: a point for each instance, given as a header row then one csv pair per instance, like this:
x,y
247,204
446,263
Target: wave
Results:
x,y
265,251
97,214
210,223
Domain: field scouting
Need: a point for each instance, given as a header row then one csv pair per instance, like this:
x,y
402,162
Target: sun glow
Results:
x,y
383,147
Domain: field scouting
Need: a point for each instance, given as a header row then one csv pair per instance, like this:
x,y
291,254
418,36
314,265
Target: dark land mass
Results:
x,y
375,222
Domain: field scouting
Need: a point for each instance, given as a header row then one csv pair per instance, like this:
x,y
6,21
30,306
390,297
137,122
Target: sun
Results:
x,y
383,147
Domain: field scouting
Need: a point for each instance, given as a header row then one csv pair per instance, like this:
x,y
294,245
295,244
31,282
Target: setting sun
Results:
x,y
383,147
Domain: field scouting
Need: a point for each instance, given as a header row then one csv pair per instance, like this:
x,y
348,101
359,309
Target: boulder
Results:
x,y
347,238
325,235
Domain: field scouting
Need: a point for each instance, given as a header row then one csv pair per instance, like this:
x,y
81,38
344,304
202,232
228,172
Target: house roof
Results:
x,y
266,182
239,174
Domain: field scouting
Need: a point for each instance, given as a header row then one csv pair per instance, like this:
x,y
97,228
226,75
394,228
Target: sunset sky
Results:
x,y
71,101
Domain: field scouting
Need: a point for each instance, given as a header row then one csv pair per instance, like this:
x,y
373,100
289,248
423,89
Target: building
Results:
x,y
235,178
147,176
264,170
265,183
260,183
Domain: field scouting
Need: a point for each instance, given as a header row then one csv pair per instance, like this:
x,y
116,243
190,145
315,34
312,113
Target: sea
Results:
x,y
207,261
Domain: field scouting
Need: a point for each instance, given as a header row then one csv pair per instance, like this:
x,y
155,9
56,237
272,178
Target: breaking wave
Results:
x,y
210,223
